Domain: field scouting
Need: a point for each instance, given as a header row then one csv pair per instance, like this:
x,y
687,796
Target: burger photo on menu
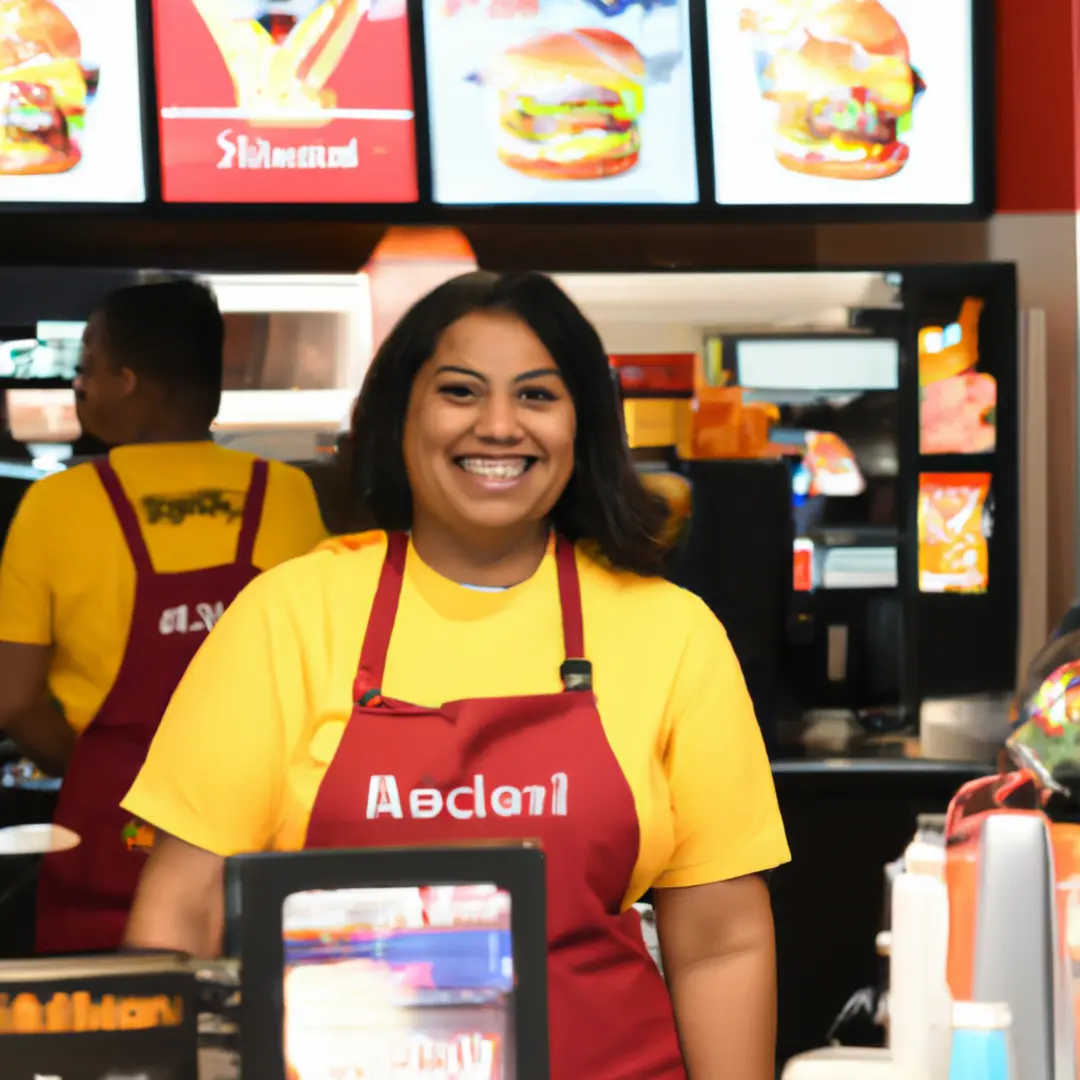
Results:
x,y
296,101
70,117
560,101
842,101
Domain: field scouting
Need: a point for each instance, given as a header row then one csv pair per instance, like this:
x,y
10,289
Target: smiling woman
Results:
x,y
503,380
500,661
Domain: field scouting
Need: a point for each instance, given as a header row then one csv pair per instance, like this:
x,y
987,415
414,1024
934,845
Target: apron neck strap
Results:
x,y
253,509
125,515
385,605
570,599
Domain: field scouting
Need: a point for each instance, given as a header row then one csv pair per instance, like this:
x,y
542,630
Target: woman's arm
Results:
x,y
719,956
180,903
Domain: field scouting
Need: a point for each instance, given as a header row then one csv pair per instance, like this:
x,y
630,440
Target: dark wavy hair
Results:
x,y
604,502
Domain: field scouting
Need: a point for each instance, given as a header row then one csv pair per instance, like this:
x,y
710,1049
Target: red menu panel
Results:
x,y
301,101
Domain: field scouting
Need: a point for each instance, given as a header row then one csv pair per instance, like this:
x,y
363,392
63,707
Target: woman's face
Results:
x,y
490,427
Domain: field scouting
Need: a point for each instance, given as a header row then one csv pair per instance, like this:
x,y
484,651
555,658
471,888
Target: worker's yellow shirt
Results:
x,y
67,579
247,739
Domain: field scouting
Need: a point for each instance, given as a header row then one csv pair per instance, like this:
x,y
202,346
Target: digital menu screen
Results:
x,y
955,523
842,102
285,101
560,101
44,355
70,102
406,983
957,401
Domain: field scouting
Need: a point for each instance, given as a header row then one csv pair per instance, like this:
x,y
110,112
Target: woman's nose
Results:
x,y
498,419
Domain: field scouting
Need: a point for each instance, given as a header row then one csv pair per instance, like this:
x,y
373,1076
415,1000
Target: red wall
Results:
x,y
1038,84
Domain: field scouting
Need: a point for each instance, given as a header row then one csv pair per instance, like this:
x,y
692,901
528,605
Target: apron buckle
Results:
x,y
371,697
576,675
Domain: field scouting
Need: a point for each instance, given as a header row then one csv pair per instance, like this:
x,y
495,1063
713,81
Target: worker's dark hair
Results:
x,y
170,332
605,500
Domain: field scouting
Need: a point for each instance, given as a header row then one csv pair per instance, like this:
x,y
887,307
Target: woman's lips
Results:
x,y
495,473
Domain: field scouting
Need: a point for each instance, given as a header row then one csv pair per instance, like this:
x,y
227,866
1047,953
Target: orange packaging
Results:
x,y
953,553
833,467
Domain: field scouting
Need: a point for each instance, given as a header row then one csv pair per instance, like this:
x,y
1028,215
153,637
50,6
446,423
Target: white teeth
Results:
x,y
494,468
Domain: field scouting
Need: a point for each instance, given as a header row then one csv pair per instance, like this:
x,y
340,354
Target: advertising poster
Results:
x,y
958,403
955,523
842,102
70,105
560,101
285,101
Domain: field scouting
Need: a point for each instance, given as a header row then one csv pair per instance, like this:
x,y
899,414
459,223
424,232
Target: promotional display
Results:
x,y
70,102
958,403
398,982
560,101
842,102
296,101
955,522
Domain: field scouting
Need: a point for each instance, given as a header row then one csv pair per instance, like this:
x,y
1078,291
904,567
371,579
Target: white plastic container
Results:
x,y
920,1006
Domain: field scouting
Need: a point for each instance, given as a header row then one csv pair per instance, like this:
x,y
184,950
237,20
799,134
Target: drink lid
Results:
x,y
984,1015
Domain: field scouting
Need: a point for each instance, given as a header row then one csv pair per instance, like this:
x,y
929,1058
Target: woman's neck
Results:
x,y
493,558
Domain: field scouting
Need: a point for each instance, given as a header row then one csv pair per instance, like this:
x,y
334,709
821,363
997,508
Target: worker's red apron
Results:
x,y
536,766
84,894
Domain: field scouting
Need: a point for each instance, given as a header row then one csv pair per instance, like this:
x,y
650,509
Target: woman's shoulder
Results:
x,y
323,572
368,545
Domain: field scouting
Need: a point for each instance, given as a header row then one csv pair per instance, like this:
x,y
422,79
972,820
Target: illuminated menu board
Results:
x,y
560,101
285,101
70,102
842,102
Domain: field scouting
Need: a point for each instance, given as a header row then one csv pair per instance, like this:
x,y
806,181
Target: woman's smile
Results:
x,y
496,473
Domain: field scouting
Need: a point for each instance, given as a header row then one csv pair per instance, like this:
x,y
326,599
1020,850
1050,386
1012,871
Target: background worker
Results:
x,y
114,571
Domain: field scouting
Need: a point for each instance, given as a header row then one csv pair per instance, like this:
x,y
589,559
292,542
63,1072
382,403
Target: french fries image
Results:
x,y
273,80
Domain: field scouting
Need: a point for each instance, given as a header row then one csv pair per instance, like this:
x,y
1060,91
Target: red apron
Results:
x,y
536,767
84,895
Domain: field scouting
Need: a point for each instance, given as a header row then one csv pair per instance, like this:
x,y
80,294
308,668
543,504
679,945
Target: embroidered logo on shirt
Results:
x,y
210,502
469,800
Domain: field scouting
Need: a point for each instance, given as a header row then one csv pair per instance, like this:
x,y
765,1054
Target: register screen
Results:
x,y
399,984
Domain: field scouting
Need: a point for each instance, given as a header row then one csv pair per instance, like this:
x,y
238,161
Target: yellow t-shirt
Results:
x,y
67,580
245,743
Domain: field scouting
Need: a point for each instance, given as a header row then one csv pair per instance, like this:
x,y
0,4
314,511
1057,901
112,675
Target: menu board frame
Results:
x,y
149,149
426,212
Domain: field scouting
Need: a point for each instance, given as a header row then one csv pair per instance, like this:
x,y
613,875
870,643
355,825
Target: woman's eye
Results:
x,y
535,393
456,390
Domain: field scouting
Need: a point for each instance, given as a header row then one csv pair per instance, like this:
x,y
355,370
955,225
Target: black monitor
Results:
x,y
358,963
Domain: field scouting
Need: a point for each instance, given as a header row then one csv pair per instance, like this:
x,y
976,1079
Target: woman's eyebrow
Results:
x,y
454,369
537,373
